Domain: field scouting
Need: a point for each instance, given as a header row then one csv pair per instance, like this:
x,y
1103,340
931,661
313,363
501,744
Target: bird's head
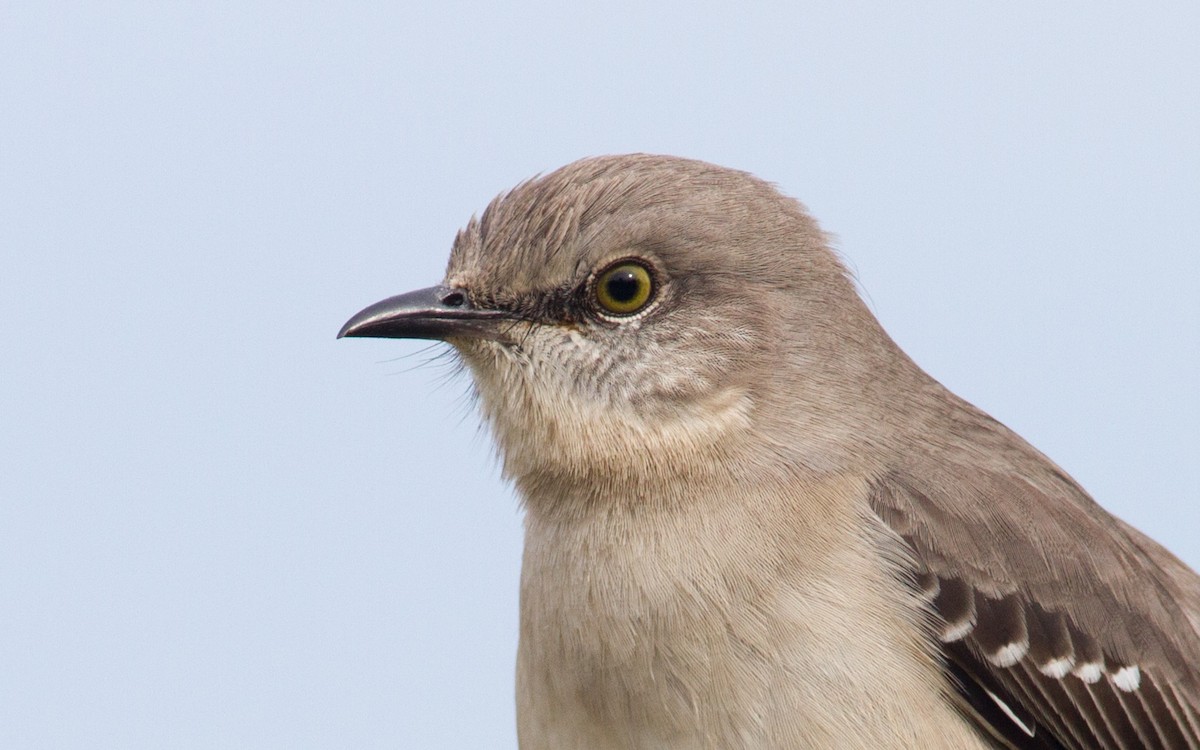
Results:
x,y
644,316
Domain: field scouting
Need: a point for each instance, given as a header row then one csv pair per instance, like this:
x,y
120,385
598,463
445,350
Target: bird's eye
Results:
x,y
624,288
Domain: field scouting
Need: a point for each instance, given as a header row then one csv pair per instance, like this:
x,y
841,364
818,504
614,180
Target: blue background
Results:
x,y
220,527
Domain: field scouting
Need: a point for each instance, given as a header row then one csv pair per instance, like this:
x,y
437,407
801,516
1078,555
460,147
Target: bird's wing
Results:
x,y
1063,626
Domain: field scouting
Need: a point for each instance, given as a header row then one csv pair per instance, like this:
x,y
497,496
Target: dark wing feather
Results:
x,y
1085,630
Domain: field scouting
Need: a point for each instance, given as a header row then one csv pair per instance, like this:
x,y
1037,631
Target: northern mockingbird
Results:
x,y
752,521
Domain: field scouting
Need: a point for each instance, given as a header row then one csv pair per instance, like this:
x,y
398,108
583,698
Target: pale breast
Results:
x,y
717,629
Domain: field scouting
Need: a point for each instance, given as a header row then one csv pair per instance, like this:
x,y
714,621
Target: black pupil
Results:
x,y
623,286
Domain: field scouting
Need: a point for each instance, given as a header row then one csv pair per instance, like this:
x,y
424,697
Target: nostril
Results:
x,y
454,299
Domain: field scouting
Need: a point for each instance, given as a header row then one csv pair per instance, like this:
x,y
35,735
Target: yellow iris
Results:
x,y
625,288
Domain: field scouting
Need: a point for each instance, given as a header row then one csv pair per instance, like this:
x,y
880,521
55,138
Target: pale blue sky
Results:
x,y
220,527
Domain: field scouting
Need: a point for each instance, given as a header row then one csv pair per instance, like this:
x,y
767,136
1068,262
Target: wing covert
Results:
x,y
1072,624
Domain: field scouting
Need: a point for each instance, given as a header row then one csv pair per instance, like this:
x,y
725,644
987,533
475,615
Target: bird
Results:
x,y
751,520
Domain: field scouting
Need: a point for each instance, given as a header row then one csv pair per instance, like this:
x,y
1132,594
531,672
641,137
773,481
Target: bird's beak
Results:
x,y
438,312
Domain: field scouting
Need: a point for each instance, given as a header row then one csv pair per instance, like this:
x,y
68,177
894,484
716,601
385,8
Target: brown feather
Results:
x,y
1051,630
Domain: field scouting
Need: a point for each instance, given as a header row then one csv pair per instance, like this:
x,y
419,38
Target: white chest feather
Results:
x,y
660,628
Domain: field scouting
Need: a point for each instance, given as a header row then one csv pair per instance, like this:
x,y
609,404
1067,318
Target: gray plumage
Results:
x,y
752,521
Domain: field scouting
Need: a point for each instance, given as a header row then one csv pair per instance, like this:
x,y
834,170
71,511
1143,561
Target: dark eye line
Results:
x,y
553,306
564,304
